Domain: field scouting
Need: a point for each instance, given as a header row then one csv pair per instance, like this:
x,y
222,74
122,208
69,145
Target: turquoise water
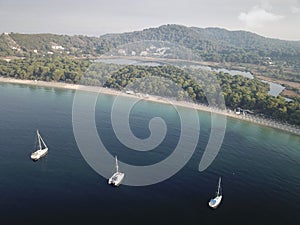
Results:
x,y
260,169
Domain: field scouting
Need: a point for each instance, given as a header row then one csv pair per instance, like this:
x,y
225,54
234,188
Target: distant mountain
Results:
x,y
216,44
210,44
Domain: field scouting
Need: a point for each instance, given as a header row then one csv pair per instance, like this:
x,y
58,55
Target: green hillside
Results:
x,y
211,44
240,50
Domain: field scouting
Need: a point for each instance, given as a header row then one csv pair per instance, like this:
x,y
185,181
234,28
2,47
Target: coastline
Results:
x,y
200,107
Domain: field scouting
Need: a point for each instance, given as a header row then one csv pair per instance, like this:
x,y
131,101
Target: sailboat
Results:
x,y
117,177
213,203
42,149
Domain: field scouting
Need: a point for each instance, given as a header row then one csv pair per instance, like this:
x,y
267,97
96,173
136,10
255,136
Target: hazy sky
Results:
x,y
271,18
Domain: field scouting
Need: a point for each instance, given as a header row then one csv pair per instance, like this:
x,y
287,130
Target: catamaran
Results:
x,y
213,203
42,151
117,177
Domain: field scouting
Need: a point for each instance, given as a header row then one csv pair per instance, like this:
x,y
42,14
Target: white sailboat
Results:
x,y
117,177
213,203
42,151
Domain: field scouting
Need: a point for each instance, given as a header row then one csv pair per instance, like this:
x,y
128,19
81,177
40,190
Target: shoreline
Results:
x,y
157,99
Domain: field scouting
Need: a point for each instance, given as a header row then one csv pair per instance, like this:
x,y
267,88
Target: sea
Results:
x,y
259,167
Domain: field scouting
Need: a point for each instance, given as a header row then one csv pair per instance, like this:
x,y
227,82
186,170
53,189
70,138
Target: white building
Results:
x,y
130,92
122,51
57,47
143,53
152,47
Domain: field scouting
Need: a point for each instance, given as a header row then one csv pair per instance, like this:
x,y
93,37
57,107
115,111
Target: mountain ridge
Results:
x,y
211,44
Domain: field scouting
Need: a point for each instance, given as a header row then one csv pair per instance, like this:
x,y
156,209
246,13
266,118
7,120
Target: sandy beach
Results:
x,y
229,113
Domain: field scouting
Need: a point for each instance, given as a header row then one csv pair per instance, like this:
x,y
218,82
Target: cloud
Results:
x,y
258,16
295,9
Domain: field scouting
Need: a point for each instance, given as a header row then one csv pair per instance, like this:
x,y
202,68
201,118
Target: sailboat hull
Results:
x,y
42,149
215,202
39,154
116,179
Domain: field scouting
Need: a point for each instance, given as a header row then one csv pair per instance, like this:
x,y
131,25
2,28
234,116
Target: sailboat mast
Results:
x,y
39,139
43,141
117,166
219,185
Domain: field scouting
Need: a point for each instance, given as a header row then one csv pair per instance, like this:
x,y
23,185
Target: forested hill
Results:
x,y
15,44
210,44
216,44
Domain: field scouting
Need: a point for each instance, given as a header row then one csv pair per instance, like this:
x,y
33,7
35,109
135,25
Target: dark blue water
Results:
x,y
260,168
